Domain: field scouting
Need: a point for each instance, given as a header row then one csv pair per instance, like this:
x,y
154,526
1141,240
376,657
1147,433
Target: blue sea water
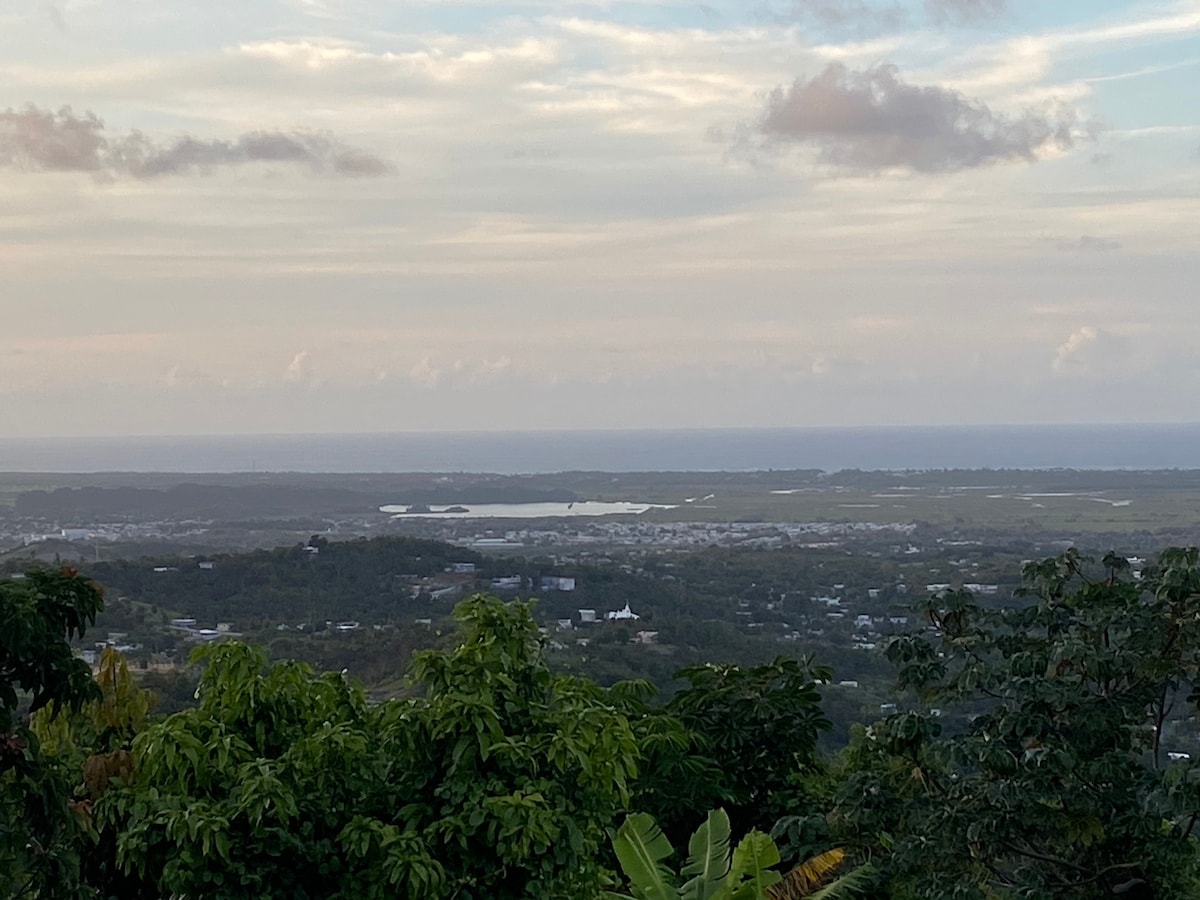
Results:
x,y
1168,446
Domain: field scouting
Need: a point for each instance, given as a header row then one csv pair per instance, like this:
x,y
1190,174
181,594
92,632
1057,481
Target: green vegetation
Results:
x,y
42,829
1032,753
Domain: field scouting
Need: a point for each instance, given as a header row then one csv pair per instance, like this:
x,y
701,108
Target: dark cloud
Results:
x,y
873,120
1089,244
42,140
57,142
964,12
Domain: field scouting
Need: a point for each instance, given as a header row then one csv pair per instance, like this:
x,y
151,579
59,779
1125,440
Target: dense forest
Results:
x,y
1030,758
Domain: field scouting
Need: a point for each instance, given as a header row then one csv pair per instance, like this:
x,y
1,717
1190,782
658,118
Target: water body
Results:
x,y
527,510
831,449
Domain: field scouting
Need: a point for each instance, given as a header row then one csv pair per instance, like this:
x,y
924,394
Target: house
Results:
x,y
464,568
207,566
587,616
646,637
554,583
507,583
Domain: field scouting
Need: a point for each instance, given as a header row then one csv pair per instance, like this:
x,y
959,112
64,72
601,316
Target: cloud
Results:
x,y
426,373
1090,244
872,120
964,12
298,368
844,13
56,142
1090,351
43,140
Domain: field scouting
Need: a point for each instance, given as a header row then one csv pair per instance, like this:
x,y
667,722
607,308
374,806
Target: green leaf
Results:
x,y
641,847
708,858
751,874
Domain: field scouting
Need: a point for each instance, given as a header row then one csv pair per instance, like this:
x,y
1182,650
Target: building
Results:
x,y
555,583
621,615
464,568
587,616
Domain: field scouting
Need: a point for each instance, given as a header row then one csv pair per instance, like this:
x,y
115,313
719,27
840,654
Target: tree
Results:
x,y
749,734
275,785
1056,783
521,771
39,828
95,746
496,781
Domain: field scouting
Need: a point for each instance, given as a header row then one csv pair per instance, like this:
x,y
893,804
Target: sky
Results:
x,y
275,216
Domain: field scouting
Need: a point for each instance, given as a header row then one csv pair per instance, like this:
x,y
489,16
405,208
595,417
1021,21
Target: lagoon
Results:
x,y
576,509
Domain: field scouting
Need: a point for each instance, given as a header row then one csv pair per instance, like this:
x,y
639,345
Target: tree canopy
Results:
x,y
1032,753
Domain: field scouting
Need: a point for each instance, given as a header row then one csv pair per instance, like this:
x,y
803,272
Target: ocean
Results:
x,y
1170,446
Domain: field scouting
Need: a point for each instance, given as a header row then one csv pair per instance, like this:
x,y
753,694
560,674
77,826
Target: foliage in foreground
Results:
x,y
1059,786
41,832
496,782
1048,773
712,872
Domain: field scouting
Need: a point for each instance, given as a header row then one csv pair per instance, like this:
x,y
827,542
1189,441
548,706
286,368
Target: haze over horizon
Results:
x,y
302,216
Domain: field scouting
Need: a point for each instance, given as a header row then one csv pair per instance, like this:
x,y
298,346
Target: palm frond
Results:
x,y
805,879
851,884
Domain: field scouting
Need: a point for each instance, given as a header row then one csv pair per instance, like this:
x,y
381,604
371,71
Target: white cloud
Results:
x,y
299,368
425,373
1091,352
